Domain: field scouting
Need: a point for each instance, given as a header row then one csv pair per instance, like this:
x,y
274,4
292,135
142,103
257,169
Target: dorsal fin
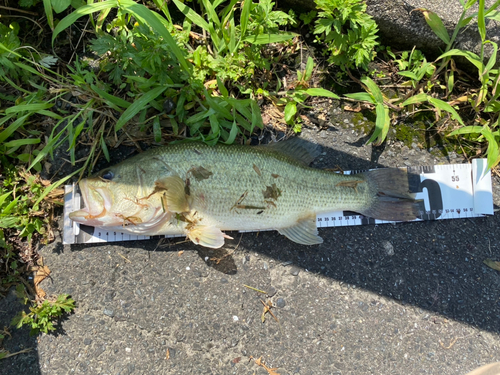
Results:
x,y
296,148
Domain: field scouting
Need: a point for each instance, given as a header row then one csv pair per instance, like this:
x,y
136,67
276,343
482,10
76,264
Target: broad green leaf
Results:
x,y
71,18
28,107
6,210
492,60
321,92
415,99
53,186
472,57
200,116
361,96
22,142
269,38
138,105
373,89
221,87
12,128
60,5
493,106
494,15
158,24
47,6
492,151
467,130
480,21
245,17
192,15
409,74
104,148
436,25
290,111
382,124
256,115
3,197
111,99
469,4
211,13
309,69
157,129
8,221
442,105
232,134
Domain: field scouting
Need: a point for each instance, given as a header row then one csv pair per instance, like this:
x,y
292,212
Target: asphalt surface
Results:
x,y
410,298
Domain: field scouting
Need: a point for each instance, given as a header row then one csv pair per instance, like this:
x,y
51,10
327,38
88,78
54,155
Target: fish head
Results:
x,y
116,196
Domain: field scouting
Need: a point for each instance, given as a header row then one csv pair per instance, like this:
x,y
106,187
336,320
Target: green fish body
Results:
x,y
201,191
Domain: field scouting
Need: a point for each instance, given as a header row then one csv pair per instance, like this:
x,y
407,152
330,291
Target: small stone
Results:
x,y
271,291
280,302
389,249
87,341
223,280
108,312
294,271
265,266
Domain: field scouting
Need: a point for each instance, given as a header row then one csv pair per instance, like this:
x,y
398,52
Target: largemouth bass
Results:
x,y
201,191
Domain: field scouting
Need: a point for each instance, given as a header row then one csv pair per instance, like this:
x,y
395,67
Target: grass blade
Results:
x,y
492,151
373,89
467,130
481,25
415,99
382,124
71,18
436,25
442,105
139,105
472,57
269,38
361,96
317,91
192,15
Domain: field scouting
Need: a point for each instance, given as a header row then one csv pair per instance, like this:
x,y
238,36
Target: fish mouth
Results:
x,y
97,203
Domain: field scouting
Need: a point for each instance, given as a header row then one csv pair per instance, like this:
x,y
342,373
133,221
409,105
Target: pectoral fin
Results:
x,y
207,236
174,193
304,232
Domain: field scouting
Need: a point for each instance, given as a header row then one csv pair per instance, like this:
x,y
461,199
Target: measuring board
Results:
x,y
453,191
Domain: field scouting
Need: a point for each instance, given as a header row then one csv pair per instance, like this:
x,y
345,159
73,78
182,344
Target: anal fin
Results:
x,y
304,232
208,236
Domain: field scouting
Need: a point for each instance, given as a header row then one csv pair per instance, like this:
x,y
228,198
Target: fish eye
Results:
x,y
108,175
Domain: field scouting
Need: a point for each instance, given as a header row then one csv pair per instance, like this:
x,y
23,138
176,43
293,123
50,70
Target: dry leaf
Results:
x,y
271,192
200,173
492,264
41,273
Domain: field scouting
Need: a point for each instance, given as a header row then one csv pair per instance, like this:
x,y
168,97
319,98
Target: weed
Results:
x,y
350,33
42,316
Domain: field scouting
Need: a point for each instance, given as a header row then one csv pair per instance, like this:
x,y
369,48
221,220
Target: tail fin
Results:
x,y
393,200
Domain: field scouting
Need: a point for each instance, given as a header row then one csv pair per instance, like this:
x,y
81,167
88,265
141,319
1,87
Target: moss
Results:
x,y
362,123
410,133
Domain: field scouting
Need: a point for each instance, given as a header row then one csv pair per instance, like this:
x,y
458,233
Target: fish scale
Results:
x,y
205,190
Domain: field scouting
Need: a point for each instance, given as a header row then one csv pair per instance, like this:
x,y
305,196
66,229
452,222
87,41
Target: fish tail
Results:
x,y
392,199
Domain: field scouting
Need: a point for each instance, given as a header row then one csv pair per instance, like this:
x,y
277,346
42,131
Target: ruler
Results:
x,y
452,191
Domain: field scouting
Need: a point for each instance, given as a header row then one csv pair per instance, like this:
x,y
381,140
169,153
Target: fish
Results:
x,y
204,191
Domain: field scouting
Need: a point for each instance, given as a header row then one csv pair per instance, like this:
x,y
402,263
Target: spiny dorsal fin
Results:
x,y
175,193
208,236
304,232
296,148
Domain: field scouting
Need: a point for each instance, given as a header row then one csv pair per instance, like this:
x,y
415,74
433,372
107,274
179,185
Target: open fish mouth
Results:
x,y
97,204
